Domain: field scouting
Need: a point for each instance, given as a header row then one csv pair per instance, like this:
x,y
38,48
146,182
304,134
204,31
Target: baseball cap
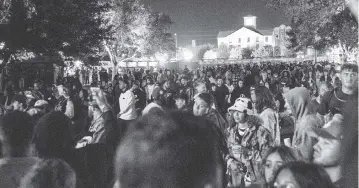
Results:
x,y
40,103
331,130
242,105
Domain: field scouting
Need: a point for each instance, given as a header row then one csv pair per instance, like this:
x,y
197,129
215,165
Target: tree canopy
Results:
x,y
56,29
319,23
137,31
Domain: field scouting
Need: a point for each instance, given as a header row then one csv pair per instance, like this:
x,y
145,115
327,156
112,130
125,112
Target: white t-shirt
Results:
x,y
127,106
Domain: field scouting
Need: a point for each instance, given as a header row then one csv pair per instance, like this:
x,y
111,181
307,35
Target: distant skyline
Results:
x,y
201,20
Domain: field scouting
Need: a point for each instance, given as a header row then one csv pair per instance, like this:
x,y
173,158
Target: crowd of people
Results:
x,y
244,125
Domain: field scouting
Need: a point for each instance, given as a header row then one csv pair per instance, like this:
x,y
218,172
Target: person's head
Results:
x,y
2,110
240,83
52,136
327,149
200,86
16,129
276,157
94,110
37,84
302,175
169,150
349,76
241,109
54,173
213,87
326,72
264,74
184,81
149,80
202,104
263,98
136,84
64,91
19,102
181,100
220,81
84,95
297,101
123,84
324,87
337,82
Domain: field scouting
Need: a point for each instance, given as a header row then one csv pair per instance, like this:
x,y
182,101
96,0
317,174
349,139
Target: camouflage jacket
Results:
x,y
249,149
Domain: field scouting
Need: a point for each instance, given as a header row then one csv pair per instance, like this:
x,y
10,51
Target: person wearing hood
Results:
x,y
297,102
248,141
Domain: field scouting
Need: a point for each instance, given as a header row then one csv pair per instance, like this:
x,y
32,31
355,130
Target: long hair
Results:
x,y
264,99
285,153
307,174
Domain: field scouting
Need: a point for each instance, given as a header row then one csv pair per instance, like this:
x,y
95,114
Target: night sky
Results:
x,y
203,19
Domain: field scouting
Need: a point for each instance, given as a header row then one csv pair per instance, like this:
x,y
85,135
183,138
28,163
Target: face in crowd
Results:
x,y
239,117
201,88
180,103
200,107
272,163
184,81
37,86
122,85
349,78
327,152
240,83
220,82
253,96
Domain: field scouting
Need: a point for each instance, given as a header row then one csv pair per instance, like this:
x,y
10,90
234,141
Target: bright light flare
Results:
x,y
187,54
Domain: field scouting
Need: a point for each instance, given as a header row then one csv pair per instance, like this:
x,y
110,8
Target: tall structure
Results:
x,y
250,21
248,36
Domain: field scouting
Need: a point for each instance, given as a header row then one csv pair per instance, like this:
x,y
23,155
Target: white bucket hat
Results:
x,y
242,105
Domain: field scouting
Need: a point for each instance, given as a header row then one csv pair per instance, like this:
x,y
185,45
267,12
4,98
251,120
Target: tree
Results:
x,y
136,32
235,53
320,24
201,50
276,51
210,54
223,52
56,29
264,51
247,53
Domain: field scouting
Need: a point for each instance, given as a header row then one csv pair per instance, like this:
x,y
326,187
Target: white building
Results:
x,y
246,37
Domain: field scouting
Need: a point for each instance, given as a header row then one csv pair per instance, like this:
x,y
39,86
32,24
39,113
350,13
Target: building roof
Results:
x,y
249,15
253,29
222,34
266,31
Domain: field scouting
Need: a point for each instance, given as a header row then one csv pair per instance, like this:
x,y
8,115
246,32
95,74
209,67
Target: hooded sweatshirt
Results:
x,y
298,99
